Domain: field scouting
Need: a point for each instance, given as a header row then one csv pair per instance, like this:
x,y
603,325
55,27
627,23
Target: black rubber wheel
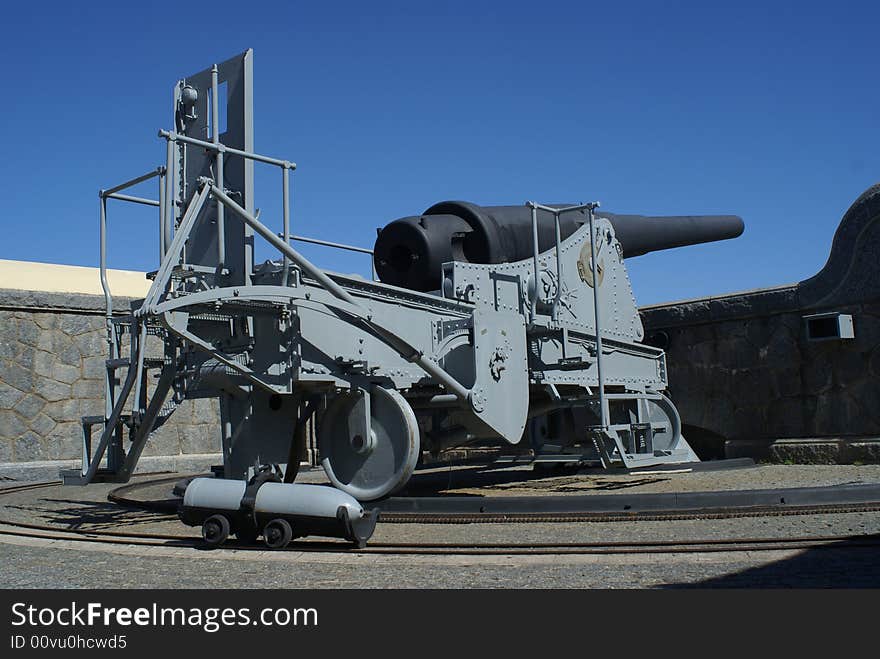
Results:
x,y
277,534
215,530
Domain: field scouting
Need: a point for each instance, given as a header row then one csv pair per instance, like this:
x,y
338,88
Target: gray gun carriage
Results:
x,y
509,325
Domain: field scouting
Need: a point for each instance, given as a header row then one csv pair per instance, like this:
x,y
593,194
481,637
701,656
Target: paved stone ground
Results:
x,y
34,565
32,562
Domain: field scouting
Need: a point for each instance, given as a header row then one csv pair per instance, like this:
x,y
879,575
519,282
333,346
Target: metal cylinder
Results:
x,y
272,498
306,500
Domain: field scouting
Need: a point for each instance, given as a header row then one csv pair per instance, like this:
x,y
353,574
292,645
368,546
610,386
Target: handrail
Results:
x,y
219,150
556,212
328,243
139,179
554,311
113,193
177,137
134,200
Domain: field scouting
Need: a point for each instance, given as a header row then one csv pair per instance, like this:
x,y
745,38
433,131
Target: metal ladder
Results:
x,y
144,417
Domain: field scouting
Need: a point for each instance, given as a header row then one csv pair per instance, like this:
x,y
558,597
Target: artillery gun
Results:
x,y
506,324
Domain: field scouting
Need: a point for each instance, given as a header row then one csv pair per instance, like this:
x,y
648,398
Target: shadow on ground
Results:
x,y
838,565
73,514
555,481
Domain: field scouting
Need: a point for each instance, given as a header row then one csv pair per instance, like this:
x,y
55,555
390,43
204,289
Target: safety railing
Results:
x,y
166,204
220,150
342,246
173,246
286,167
554,311
115,193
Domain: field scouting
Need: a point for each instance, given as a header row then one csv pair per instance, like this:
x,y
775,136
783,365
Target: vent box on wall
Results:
x,y
829,326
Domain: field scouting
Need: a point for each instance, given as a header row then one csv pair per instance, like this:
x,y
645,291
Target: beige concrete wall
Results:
x,y
54,278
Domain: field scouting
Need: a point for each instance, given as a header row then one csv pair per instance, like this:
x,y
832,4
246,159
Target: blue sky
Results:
x,y
767,110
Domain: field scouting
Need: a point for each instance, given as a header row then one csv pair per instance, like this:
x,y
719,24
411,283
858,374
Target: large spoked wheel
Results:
x,y
666,422
369,468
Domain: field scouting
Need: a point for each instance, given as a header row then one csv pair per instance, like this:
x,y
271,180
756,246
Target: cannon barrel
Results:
x,y
409,251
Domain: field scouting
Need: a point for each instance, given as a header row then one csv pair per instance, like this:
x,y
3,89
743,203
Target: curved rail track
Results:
x,y
482,516
40,531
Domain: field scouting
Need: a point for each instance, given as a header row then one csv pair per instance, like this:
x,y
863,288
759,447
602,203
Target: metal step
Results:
x,y
123,362
75,477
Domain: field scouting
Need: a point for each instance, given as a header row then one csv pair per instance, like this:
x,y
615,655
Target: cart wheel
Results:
x,y
215,530
369,468
277,534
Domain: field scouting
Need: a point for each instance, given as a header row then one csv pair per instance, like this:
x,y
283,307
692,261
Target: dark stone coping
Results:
x,y
53,302
848,278
734,306
808,450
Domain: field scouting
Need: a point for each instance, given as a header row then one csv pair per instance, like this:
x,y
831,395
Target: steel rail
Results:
x,y
711,545
119,496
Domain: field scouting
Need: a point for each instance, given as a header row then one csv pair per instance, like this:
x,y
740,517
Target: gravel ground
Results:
x,y
36,567
31,563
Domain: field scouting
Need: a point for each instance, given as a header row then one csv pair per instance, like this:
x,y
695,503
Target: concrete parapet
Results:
x,y
750,378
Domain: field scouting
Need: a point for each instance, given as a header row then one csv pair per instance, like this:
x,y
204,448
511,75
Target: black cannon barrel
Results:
x,y
640,234
409,251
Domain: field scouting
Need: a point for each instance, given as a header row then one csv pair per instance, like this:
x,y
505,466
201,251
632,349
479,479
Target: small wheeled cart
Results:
x,y
279,512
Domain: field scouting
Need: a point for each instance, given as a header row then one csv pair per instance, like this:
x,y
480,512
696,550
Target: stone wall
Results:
x,y
747,379
52,355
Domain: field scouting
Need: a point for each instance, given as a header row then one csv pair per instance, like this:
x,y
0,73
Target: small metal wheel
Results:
x,y
369,468
277,534
215,530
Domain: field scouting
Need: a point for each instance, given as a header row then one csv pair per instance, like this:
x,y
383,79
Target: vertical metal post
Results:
x,y
109,373
535,276
108,300
603,413
554,313
215,106
218,175
137,361
285,184
162,215
170,169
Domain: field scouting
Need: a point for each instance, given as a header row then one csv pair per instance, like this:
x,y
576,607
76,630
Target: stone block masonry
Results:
x,y
52,354
749,379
